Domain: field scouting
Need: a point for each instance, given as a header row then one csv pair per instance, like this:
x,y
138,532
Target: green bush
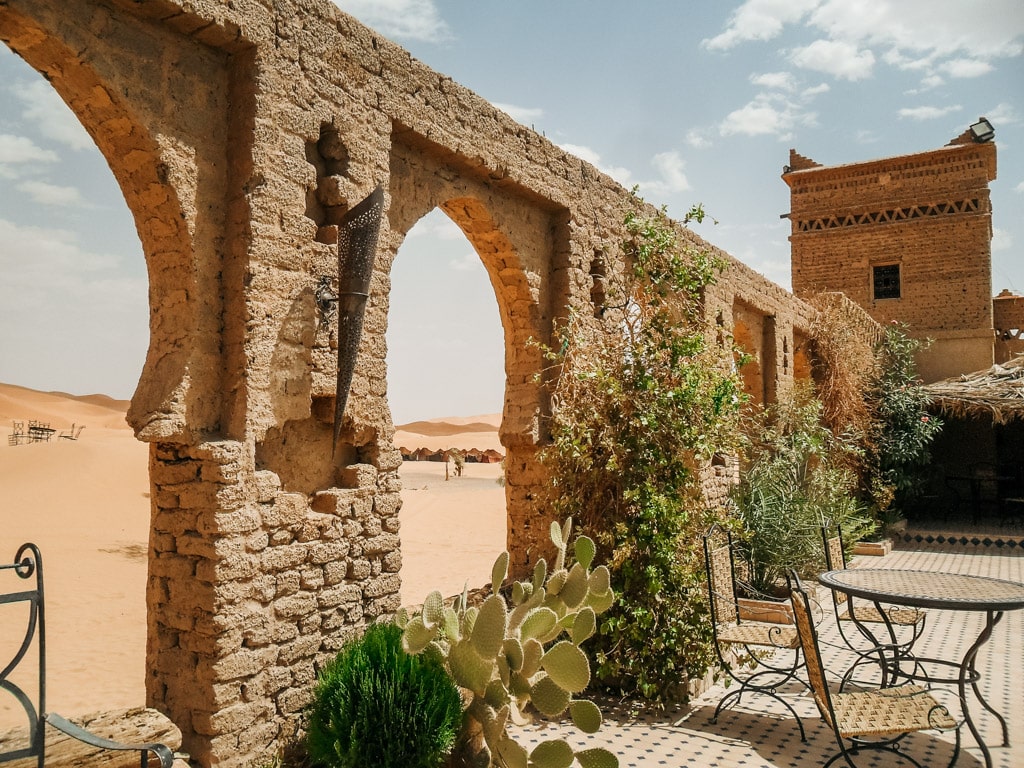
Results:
x,y
797,476
375,706
642,400
903,430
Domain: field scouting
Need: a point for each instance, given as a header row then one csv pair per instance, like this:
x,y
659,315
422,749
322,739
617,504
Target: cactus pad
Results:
x,y
540,573
533,651
468,669
539,623
585,715
567,666
496,695
556,535
514,653
498,571
585,550
574,591
601,602
489,629
554,753
584,626
557,581
600,580
415,636
597,758
433,610
451,625
548,697
511,754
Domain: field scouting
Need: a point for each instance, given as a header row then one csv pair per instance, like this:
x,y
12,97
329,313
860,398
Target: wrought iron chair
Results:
x,y
863,615
871,720
759,639
28,564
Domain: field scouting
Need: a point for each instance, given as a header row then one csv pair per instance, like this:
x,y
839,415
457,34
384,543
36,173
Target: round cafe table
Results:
x,y
943,591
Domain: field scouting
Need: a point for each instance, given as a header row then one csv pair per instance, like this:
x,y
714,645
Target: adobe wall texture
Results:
x,y
928,214
240,132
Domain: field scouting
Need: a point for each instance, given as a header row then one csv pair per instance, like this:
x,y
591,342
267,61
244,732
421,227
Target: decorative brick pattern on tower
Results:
x,y
908,238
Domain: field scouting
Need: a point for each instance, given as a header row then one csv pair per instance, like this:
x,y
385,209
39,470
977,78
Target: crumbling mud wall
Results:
x,y
241,132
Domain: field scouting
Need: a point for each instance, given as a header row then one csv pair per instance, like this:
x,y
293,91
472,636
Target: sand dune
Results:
x,y
464,433
60,409
86,504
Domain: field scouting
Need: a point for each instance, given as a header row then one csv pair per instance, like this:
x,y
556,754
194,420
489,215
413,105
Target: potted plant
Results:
x,y
796,477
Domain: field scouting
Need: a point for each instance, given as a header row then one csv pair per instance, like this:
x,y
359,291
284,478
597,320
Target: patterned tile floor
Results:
x,y
759,733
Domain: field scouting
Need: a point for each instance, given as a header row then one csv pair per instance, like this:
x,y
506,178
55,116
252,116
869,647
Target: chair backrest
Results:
x,y
718,561
27,564
808,633
835,555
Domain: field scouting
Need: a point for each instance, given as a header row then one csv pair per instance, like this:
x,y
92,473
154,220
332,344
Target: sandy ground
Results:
x,y
85,503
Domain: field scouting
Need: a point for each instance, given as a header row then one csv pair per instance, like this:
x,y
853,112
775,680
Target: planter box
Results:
x,y
873,548
766,610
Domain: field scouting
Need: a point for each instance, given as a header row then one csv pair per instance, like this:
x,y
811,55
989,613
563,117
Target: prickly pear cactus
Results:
x,y
506,658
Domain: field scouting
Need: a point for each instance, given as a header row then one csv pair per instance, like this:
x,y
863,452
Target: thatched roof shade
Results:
x,y
997,392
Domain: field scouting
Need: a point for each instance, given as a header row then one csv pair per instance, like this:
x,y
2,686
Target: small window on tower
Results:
x,y
887,281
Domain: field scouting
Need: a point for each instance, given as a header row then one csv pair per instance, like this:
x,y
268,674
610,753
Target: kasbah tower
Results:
x,y
909,239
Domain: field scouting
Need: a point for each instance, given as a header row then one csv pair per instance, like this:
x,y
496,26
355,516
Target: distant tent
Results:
x,y
997,392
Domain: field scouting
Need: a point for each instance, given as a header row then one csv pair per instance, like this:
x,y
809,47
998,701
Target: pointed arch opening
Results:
x,y
446,382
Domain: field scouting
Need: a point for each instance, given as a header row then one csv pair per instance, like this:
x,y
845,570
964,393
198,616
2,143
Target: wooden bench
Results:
x,y
70,744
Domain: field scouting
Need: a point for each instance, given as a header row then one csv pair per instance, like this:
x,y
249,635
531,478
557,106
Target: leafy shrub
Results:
x,y
797,476
641,401
375,706
902,428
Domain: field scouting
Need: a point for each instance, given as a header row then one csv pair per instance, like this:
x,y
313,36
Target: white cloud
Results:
x,y
1019,187
835,57
21,149
815,90
669,166
780,81
966,68
951,37
622,175
924,29
864,136
437,225
760,117
404,19
520,114
927,113
698,138
51,194
51,116
759,20
1002,114
467,262
671,178
47,254
1001,239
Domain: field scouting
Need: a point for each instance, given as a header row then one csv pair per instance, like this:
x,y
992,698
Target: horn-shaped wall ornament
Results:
x,y
357,249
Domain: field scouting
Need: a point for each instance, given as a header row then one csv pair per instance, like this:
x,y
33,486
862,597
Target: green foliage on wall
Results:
x,y
642,399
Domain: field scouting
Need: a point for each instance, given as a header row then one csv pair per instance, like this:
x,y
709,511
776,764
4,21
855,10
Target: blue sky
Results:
x,y
694,102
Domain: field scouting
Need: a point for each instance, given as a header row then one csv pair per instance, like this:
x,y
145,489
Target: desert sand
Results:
x,y
85,503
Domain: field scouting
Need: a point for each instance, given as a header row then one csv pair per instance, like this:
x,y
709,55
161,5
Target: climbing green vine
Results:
x,y
642,401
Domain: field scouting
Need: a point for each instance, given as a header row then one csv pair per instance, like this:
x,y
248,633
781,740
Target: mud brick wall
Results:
x,y
240,133
927,214
1008,319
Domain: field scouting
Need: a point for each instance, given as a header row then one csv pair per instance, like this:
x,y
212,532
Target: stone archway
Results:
x,y
238,132
515,236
